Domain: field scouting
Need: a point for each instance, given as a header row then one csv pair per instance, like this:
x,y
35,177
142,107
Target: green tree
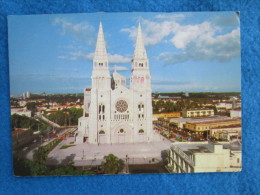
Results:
x,y
111,164
37,169
40,155
32,106
74,115
19,121
58,117
69,170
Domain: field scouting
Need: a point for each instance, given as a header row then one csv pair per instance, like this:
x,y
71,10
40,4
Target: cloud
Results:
x,y
83,31
153,32
220,48
118,68
212,39
112,58
174,17
116,58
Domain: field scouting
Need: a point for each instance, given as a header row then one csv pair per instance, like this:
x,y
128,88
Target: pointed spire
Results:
x,y
140,52
115,68
101,52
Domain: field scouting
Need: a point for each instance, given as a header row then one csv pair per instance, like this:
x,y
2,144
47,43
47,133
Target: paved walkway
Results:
x,y
91,154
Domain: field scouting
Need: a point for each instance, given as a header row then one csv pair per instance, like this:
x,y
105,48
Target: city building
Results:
x,y
114,113
197,113
166,115
181,122
194,157
226,105
235,113
201,127
26,95
226,133
21,111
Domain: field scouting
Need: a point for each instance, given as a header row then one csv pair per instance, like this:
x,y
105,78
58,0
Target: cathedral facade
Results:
x,y
113,112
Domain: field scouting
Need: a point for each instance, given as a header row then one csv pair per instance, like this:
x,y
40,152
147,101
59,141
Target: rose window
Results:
x,y
121,106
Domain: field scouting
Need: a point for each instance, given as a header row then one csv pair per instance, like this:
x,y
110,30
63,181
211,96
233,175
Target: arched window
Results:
x,y
101,132
101,112
141,131
121,131
140,110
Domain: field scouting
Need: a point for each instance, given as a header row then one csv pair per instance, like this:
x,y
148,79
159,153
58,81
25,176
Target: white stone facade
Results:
x,y
192,157
114,113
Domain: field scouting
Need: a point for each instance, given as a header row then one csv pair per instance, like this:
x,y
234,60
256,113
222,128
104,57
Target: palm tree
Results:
x,y
111,164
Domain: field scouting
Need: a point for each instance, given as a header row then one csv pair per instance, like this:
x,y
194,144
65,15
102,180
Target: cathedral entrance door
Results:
x,y
141,138
121,139
102,139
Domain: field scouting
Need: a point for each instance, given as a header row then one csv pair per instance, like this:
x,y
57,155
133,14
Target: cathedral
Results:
x,y
114,112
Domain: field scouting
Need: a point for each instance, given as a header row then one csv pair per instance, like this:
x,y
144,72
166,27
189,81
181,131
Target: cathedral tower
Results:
x,y
99,122
141,85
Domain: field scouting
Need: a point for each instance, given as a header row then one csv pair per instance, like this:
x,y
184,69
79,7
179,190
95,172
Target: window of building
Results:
x,y
141,131
141,64
100,64
101,112
101,132
140,110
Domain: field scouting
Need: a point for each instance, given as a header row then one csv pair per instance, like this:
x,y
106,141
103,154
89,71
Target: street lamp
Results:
x,y
126,164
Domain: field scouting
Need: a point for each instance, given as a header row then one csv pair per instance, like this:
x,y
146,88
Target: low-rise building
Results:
x,y
181,122
226,132
201,127
235,113
21,111
197,113
167,115
227,105
194,157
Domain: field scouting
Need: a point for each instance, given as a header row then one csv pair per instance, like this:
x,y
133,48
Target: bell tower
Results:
x,y
100,75
140,85
140,77
99,121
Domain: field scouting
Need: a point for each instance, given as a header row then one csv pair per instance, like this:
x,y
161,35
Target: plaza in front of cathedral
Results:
x,y
86,154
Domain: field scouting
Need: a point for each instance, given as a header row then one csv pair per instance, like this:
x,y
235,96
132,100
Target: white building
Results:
x,y
224,105
114,113
198,112
21,111
226,132
235,113
193,157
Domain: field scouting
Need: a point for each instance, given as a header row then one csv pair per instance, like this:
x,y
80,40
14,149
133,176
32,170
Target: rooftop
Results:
x,y
215,118
219,121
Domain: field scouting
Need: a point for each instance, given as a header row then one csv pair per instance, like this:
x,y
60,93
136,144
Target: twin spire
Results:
x,y
101,52
140,52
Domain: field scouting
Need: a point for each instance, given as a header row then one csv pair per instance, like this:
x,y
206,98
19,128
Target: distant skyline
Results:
x,y
188,51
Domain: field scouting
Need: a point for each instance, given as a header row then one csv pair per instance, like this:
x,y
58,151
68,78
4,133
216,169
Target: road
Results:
x,y
177,132
36,141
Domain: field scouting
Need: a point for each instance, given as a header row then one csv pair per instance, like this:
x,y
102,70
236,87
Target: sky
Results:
x,y
187,51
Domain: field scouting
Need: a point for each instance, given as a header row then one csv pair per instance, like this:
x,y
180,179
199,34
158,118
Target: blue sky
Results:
x,y
192,51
